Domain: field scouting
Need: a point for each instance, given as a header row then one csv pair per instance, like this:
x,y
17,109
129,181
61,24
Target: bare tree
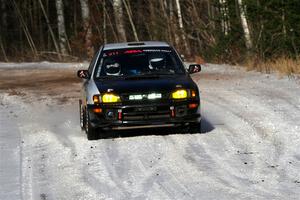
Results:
x,y
245,26
197,26
2,49
180,22
3,15
61,26
110,22
118,12
283,20
163,5
25,28
224,17
173,28
152,32
50,29
129,13
85,12
104,22
202,34
3,28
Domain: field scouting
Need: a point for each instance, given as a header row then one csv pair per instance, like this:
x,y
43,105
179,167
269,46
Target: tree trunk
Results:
x,y
94,21
173,25
111,25
283,20
151,25
224,17
248,40
50,29
61,26
25,29
3,28
3,50
118,12
75,18
3,16
85,12
104,22
128,10
180,23
163,5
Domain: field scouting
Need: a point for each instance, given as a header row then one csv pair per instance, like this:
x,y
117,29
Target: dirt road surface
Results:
x,y
249,148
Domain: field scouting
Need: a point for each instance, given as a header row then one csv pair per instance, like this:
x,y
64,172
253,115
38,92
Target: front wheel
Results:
x,y
91,131
195,127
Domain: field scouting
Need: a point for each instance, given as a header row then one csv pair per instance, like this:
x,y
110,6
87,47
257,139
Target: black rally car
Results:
x,y
138,85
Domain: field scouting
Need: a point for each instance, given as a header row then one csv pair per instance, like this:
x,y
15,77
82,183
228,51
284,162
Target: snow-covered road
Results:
x,y
250,148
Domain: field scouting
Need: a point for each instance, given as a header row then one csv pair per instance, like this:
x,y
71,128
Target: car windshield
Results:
x,y
139,62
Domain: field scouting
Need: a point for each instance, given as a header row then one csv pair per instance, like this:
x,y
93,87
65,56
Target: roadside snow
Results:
x,y
42,65
250,149
10,153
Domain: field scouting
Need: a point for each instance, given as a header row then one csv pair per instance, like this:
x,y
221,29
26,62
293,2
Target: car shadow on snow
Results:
x,y
206,127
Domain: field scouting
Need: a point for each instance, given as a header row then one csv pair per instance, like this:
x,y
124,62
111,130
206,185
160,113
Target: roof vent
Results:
x,y
136,43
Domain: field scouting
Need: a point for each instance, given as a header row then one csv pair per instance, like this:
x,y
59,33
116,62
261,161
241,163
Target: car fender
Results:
x,y
91,90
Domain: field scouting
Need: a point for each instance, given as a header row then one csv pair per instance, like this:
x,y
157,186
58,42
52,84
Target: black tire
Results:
x,y
194,127
91,131
81,116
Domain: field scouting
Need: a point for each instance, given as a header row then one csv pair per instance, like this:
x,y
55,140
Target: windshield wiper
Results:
x,y
142,76
157,73
110,77
164,73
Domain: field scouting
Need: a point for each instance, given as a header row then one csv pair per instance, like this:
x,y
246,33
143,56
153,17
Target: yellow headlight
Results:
x,y
110,98
179,94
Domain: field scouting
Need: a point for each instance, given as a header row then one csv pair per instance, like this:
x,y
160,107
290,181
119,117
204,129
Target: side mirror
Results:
x,y
83,74
194,68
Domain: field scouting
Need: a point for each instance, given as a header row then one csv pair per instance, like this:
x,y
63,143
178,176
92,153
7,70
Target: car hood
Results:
x,y
157,84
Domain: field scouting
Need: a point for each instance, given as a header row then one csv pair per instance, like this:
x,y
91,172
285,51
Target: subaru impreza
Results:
x,y
138,85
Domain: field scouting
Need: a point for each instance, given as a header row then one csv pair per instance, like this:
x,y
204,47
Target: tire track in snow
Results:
x,y
10,153
277,141
46,159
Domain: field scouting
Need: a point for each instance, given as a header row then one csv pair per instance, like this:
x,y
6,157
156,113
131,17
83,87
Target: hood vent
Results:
x,y
136,43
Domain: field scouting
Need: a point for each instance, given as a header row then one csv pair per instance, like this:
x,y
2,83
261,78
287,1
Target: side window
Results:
x,y
91,67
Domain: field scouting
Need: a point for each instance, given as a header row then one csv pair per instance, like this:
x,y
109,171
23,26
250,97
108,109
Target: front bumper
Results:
x,y
158,114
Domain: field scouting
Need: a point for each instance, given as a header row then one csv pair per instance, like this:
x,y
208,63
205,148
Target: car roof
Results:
x,y
126,45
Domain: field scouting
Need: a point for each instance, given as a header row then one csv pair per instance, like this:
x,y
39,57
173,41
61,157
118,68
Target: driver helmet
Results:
x,y
156,63
113,69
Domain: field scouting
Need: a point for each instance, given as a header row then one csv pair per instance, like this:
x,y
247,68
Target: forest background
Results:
x,y
264,35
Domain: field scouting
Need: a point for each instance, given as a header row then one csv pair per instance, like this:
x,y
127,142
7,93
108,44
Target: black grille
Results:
x,y
146,112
